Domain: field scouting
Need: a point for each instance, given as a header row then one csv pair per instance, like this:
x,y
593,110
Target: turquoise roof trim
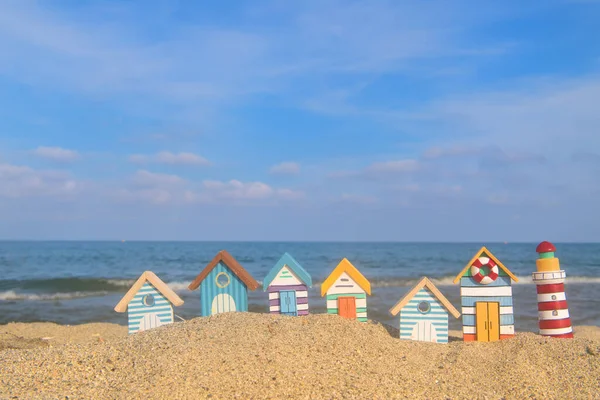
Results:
x,y
296,268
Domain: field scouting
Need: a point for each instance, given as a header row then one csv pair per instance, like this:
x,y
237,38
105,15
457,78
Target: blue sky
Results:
x,y
312,120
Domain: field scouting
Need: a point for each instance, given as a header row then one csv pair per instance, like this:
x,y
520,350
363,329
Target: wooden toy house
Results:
x,y
287,284
224,285
424,313
486,299
149,303
346,290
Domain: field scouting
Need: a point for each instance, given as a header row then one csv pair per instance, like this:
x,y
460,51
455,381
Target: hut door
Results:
x,y
487,316
424,331
222,303
347,307
287,302
150,321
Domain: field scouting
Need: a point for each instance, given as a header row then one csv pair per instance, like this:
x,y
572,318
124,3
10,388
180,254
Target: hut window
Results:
x,y
424,307
222,280
148,300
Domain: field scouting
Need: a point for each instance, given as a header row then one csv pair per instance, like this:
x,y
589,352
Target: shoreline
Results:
x,y
256,356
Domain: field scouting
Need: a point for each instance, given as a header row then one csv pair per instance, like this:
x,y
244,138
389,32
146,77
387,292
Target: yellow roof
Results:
x,y
425,282
489,253
347,267
156,282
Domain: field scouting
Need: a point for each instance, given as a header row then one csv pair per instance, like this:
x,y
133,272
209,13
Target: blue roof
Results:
x,y
296,268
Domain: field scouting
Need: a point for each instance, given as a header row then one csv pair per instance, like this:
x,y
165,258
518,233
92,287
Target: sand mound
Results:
x,y
262,356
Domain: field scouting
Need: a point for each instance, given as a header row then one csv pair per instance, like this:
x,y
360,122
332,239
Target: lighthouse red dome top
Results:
x,y
545,247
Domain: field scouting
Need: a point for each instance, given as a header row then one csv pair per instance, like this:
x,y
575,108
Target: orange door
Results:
x,y
347,307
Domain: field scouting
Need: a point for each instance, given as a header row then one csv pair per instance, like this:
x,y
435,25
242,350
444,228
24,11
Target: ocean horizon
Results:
x,y
80,281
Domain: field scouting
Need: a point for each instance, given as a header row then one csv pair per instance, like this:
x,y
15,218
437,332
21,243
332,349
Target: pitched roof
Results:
x,y
231,263
294,265
347,267
490,255
148,276
425,282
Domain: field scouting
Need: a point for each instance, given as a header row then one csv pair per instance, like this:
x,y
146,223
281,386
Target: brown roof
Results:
x,y
227,259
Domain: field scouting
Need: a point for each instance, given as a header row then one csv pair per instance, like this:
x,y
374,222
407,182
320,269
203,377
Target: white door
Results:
x,y
424,331
222,303
150,321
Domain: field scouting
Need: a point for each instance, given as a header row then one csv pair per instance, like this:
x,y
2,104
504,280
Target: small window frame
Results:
x,y
220,284
424,302
148,300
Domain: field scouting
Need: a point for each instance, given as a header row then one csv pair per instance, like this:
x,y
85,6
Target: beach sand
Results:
x,y
262,356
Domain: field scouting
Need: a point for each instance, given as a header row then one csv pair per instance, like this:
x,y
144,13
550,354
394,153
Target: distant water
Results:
x,y
78,282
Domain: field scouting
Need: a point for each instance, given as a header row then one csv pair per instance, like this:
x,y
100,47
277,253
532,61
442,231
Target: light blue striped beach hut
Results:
x,y
149,303
224,285
424,314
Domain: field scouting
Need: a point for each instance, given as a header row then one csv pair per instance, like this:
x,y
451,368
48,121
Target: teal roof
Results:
x,y
296,268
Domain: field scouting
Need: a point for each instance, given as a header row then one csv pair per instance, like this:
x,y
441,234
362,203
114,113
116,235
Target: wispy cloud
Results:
x,y
285,168
19,181
56,154
168,158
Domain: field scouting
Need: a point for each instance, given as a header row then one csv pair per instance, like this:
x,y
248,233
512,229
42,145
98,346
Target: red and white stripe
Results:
x,y
553,310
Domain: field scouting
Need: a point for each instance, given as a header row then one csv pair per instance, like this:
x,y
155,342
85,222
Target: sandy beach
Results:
x,y
262,356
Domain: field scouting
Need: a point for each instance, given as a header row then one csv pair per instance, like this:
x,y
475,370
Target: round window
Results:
x,y
148,300
222,279
424,307
555,313
553,297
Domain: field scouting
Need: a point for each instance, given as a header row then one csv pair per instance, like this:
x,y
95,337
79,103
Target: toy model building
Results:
x,y
346,289
486,299
224,285
554,318
424,313
149,303
287,284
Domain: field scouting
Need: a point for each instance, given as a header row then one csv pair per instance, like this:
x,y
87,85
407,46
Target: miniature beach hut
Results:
x,y
224,285
149,303
287,284
346,290
486,299
424,313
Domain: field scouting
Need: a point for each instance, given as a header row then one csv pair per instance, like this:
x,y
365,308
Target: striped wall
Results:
x,y
209,290
301,298
344,286
410,317
499,291
136,308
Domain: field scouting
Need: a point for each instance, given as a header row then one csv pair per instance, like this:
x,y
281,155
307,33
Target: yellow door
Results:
x,y
494,321
487,321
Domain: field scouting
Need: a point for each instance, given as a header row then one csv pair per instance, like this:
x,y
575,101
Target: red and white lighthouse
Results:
x,y
554,318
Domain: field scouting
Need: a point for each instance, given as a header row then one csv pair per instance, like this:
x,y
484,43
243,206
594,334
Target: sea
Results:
x,y
76,282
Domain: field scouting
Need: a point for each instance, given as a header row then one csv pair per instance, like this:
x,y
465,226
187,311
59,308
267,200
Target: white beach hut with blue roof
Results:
x,y
287,284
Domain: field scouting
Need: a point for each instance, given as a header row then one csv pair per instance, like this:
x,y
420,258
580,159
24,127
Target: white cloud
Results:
x,y
56,154
358,199
147,178
285,168
22,181
168,158
396,166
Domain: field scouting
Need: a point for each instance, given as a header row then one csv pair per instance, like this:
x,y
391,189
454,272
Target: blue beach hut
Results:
x,y
424,314
149,303
224,285
287,284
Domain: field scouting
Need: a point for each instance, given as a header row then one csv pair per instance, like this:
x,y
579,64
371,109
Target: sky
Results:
x,y
320,120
